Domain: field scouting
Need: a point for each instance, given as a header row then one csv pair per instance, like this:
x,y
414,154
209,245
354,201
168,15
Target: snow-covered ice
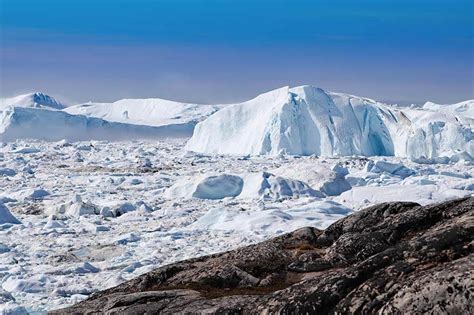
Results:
x,y
80,216
34,100
307,120
40,116
119,209
150,112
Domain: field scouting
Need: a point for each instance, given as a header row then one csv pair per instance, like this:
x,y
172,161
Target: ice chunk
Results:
x,y
6,216
32,285
397,169
5,171
218,187
267,185
248,185
53,224
76,207
38,194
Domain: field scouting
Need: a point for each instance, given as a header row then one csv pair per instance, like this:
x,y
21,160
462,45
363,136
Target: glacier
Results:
x,y
307,120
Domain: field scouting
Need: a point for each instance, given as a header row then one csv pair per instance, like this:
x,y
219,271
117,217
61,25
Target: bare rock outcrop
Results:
x,y
393,258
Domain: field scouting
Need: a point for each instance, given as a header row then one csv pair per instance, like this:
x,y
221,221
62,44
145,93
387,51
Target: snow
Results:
x,y
218,187
39,116
307,120
34,123
150,112
303,120
248,185
397,169
35,100
107,192
120,209
313,214
463,109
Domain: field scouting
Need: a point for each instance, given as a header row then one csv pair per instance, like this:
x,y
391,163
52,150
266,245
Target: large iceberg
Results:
x,y
303,120
39,116
307,120
54,125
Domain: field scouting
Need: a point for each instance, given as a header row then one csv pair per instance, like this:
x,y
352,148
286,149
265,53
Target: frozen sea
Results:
x,y
95,214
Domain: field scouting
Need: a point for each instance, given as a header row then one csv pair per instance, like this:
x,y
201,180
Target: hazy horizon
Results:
x,y
208,51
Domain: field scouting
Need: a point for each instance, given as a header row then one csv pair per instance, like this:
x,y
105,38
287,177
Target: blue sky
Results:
x,y
226,51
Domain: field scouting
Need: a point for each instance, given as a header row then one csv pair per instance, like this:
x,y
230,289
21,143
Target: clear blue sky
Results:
x,y
224,51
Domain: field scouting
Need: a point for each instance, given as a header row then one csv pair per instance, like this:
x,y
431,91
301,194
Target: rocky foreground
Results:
x,y
390,258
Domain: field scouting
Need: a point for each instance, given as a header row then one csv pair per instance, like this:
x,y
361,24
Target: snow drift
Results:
x,y
307,120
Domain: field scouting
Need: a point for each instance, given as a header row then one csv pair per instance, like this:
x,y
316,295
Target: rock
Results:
x,y
393,258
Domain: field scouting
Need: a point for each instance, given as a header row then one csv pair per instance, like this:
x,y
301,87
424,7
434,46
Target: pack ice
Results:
x,y
79,217
307,120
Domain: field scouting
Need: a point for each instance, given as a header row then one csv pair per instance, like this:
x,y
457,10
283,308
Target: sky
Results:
x,y
222,51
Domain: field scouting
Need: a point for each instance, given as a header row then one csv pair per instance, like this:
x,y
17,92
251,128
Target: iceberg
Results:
x,y
308,120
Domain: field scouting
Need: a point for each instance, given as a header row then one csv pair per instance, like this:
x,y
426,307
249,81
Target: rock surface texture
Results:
x,y
393,258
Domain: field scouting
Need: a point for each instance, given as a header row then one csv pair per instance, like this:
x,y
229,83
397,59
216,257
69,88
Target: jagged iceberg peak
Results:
x,y
35,99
